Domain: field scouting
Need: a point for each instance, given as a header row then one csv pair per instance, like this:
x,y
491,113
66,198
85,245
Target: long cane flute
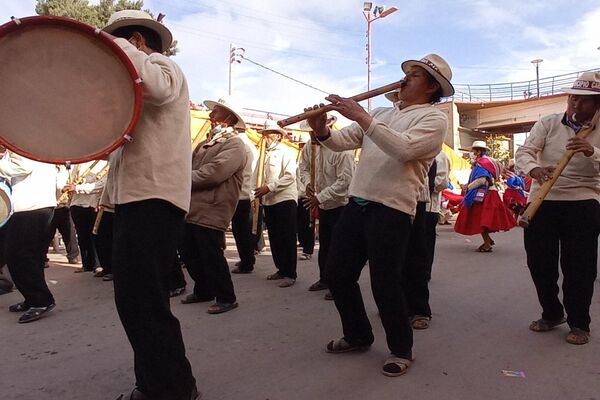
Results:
x,y
200,135
533,207
329,107
98,220
260,172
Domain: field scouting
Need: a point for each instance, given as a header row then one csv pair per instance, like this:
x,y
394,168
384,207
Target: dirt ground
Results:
x,y
273,346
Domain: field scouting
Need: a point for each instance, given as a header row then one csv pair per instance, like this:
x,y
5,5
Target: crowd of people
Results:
x,y
148,210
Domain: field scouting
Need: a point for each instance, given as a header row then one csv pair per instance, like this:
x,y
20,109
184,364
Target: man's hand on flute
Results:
x,y
542,174
261,191
350,109
580,145
310,202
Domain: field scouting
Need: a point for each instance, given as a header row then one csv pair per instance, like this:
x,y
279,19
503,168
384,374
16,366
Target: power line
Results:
x,y
284,75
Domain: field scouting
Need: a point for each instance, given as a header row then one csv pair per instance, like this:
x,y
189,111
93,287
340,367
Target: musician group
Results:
x,y
149,203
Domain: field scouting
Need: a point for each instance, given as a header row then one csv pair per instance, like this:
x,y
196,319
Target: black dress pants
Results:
x,y
62,221
104,241
84,218
327,222
417,269
306,233
281,225
26,246
241,225
377,234
205,261
569,230
146,235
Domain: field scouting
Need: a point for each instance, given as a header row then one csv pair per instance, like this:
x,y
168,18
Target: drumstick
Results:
x,y
533,207
329,107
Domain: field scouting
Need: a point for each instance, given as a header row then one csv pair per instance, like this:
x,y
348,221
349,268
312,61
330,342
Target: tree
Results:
x,y
95,15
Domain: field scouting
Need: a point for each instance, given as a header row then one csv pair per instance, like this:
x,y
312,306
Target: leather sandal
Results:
x,y
544,325
395,366
219,308
342,346
19,307
420,322
578,336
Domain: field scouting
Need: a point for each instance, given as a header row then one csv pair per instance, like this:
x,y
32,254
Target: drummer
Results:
x,y
398,145
149,182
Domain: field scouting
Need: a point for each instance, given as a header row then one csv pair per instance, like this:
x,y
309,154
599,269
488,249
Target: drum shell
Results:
x,y
71,94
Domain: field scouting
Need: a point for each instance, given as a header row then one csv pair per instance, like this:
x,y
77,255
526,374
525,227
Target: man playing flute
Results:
x,y
398,145
568,220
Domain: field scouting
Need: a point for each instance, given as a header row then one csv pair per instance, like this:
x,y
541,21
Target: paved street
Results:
x,y
273,346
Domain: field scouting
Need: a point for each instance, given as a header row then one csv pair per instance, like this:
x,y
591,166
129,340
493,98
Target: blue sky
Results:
x,y
323,43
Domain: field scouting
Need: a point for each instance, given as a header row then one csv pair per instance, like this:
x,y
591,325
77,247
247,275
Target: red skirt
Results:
x,y
490,216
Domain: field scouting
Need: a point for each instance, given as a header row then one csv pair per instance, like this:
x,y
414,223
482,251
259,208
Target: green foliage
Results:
x,y
498,149
95,15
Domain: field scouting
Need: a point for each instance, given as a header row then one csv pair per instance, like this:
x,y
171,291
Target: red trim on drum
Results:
x,y
109,42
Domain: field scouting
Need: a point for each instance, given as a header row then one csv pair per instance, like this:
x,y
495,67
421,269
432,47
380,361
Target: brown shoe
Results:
x,y
274,277
578,336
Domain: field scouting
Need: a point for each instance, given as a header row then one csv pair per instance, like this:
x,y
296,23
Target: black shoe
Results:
x,y
239,270
19,307
35,313
107,277
192,298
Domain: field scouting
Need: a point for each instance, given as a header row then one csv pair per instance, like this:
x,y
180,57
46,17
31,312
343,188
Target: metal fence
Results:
x,y
514,90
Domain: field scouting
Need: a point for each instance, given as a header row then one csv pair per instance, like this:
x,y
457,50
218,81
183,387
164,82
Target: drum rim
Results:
x,y
107,40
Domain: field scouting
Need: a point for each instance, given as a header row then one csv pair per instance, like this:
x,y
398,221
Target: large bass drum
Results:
x,y
69,93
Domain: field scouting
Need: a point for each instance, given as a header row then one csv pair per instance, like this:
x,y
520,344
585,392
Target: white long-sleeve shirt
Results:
x,y
333,174
397,150
280,175
157,164
87,193
33,183
545,145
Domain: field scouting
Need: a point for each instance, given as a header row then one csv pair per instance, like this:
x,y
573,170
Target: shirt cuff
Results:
x,y
372,126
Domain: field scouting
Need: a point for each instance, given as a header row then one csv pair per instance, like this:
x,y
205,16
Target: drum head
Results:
x,y
69,93
6,208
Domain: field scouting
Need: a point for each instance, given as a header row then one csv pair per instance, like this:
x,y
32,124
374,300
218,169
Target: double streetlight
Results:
x,y
373,13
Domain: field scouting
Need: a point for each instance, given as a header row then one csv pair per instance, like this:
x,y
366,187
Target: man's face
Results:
x,y
271,137
416,84
221,116
583,107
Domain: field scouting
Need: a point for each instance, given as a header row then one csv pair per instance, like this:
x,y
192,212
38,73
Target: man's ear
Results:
x,y
137,40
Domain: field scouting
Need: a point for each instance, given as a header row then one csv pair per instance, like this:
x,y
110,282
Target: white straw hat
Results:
x,y
438,68
226,103
271,126
124,18
587,84
479,144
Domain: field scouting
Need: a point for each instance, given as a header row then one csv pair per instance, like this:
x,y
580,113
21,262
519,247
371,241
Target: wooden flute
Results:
x,y
359,97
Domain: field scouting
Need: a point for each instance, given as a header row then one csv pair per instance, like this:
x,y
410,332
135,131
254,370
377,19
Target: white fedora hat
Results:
x,y
438,68
587,84
124,18
227,104
271,126
479,144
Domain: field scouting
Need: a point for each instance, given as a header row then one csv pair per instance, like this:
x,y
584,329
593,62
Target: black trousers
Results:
x,y
205,261
104,241
26,246
146,234
419,260
377,234
306,233
241,225
176,277
281,225
327,221
84,218
62,221
569,230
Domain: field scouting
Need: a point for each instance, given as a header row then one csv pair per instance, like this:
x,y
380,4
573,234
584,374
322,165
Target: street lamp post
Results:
x,y
537,62
373,13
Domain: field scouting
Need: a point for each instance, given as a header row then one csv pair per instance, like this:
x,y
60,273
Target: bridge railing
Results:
x,y
514,90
